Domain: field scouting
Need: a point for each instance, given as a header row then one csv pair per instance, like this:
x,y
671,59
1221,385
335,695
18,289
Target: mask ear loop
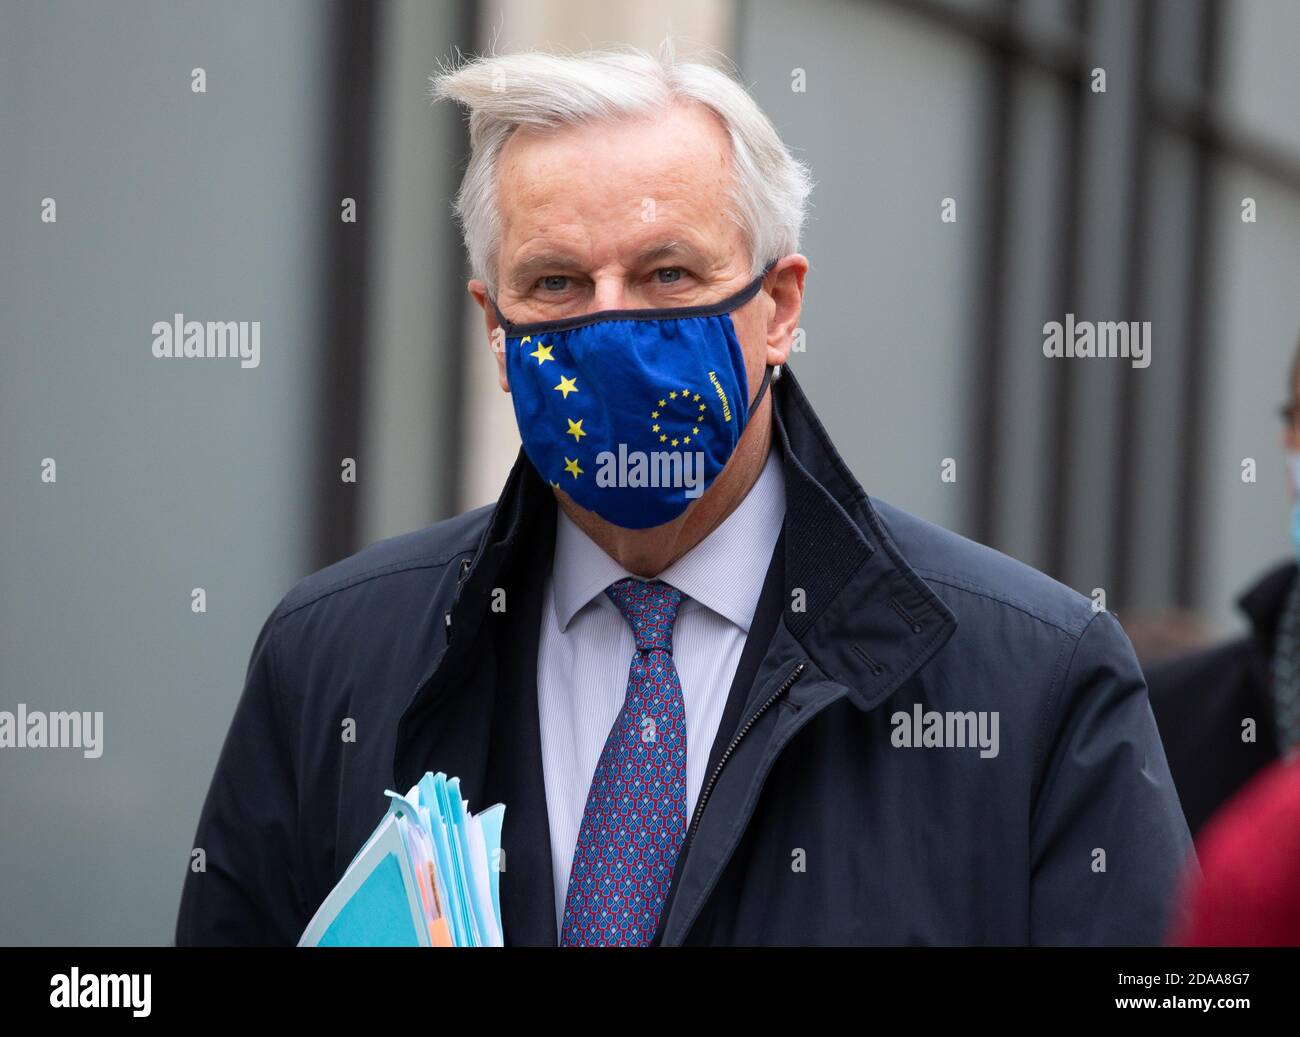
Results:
x,y
758,397
768,370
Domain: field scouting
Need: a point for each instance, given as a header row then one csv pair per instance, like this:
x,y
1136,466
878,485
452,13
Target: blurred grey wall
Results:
x,y
171,474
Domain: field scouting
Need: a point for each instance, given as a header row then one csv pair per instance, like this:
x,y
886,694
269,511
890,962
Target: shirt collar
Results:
x,y
724,572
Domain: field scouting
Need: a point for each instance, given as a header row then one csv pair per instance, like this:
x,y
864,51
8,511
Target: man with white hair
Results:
x,y
725,696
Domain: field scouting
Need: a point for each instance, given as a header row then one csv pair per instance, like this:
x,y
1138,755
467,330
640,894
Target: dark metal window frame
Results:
x,y
355,55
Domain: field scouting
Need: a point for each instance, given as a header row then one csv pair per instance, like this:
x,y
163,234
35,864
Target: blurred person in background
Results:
x,y
1229,711
1248,890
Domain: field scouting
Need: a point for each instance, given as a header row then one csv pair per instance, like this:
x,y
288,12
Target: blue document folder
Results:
x,y
428,876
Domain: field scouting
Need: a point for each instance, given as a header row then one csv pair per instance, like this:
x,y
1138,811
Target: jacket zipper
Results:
x,y
785,686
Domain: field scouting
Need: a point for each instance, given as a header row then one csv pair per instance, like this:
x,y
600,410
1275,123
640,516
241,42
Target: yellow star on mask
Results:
x,y
696,396
654,427
555,484
567,385
571,466
695,431
525,340
663,403
663,438
654,414
575,429
686,439
543,354
672,395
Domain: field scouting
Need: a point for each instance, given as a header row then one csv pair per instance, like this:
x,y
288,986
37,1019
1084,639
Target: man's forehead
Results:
x,y
680,152
655,185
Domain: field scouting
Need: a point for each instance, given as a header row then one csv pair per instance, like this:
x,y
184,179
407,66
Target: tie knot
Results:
x,y
649,608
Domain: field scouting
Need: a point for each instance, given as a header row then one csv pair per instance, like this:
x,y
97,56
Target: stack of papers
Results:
x,y
427,877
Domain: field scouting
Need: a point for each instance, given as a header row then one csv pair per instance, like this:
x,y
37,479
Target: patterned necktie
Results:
x,y
635,818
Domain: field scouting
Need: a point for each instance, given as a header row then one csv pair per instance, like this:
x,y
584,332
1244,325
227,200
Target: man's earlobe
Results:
x,y
783,333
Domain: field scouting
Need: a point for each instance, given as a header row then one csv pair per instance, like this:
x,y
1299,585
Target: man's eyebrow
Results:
x,y
666,250
522,276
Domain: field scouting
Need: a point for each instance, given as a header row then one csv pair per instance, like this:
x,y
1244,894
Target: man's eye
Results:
x,y
554,282
669,274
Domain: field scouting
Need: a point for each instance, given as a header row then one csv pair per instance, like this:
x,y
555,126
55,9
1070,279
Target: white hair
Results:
x,y
546,90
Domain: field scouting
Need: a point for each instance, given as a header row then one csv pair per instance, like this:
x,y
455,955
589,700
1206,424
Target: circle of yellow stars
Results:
x,y
689,398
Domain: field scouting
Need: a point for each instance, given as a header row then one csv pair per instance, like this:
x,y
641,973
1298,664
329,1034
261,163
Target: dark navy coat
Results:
x,y
815,826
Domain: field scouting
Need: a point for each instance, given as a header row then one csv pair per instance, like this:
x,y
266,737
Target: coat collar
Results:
x,y
870,621
858,608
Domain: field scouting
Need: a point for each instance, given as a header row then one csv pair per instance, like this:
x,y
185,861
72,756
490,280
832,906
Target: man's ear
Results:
x,y
784,283
495,333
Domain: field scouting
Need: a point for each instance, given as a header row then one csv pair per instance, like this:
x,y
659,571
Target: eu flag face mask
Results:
x,y
633,413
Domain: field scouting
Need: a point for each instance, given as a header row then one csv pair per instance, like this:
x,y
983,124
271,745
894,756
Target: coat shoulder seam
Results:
x,y
407,564
962,584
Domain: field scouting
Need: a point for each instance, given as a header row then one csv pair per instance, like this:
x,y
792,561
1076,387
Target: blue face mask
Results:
x,y
633,413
